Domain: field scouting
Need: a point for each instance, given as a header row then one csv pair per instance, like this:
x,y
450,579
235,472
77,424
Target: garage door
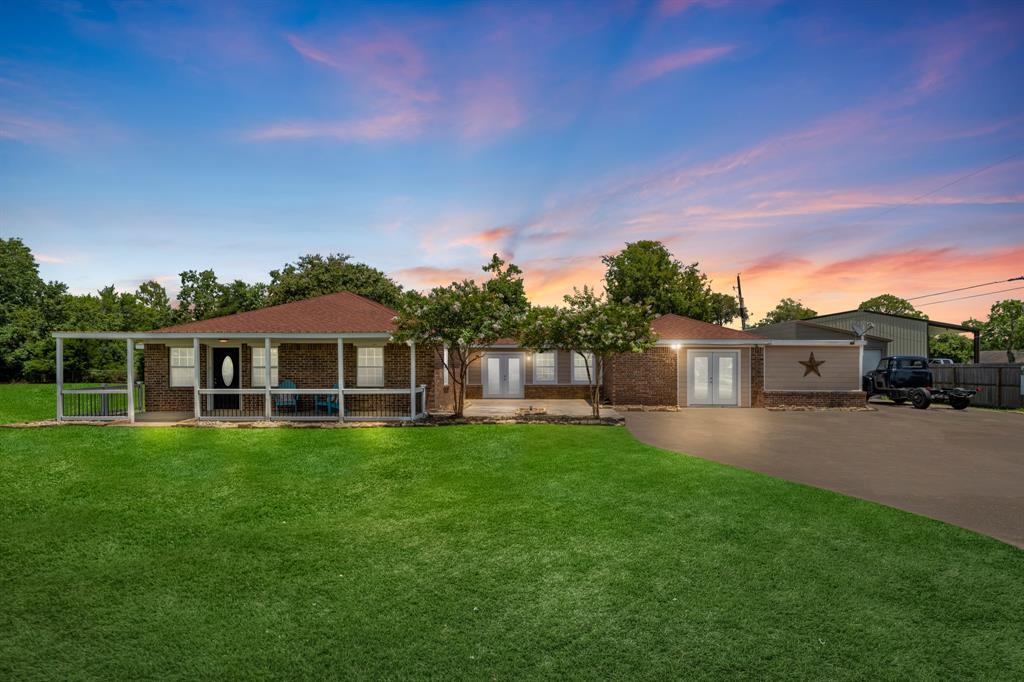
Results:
x,y
871,359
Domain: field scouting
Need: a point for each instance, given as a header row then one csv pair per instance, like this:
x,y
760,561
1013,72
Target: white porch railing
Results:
x,y
312,404
106,402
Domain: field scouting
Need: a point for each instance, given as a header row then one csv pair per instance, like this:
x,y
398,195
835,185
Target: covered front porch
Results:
x,y
252,377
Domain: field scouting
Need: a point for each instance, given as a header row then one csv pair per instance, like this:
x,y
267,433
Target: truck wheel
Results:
x,y
921,399
959,403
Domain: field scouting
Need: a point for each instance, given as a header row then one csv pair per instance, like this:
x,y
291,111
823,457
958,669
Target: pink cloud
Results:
x,y
387,62
430,276
488,241
44,258
671,62
669,8
489,106
398,125
27,129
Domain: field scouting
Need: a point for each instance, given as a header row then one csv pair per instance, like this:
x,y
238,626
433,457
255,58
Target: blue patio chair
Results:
x,y
286,400
328,403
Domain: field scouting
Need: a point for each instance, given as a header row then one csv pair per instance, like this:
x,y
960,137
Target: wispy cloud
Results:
x,y
45,258
643,72
29,129
387,62
492,240
426,276
669,8
397,125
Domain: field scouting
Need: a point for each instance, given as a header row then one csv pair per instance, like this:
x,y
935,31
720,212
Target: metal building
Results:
x,y
908,335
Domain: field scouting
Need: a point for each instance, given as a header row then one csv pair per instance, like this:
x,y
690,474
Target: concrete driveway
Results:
x,y
965,468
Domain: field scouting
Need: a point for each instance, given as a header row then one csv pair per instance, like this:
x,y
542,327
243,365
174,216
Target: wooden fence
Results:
x,y
1001,385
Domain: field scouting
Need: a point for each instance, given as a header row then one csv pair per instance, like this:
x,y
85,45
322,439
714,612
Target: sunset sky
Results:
x,y
777,139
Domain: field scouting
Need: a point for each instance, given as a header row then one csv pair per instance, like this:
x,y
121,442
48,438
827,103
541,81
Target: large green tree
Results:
x,y
198,295
1005,327
722,308
20,283
465,317
590,327
646,273
891,305
314,275
951,345
786,310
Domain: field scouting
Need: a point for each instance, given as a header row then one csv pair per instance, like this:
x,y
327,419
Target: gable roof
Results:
x,y
676,327
338,313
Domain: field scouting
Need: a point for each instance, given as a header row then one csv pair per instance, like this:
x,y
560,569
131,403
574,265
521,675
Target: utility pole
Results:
x,y
743,308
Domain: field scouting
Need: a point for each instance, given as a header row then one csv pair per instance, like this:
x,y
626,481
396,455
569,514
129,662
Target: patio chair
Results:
x,y
328,403
286,400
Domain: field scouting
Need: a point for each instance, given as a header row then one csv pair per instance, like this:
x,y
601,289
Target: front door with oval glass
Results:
x,y
226,373
713,377
503,375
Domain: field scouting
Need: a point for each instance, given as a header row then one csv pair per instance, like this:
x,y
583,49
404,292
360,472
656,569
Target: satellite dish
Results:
x,y
862,328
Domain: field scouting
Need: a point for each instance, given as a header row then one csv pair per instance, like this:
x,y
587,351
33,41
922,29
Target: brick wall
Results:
x,y
647,378
814,398
757,376
309,365
160,397
556,392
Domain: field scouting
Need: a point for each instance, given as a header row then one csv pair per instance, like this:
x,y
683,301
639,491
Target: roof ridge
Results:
x,y
367,299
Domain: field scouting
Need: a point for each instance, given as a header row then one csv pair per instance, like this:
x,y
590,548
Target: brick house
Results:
x,y
332,357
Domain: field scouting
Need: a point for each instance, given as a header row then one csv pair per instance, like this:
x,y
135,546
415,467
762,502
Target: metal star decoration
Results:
x,y
811,365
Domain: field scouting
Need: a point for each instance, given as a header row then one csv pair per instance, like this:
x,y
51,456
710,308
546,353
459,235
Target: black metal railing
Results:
x,y
311,404
101,402
232,403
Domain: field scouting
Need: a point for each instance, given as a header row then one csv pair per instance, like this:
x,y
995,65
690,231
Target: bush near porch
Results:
x,y
467,553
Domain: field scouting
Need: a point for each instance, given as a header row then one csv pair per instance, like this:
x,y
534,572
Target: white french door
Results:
x,y
503,375
712,377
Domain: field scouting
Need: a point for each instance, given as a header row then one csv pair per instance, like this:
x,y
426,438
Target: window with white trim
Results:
x,y
370,366
183,363
259,367
545,368
447,366
579,367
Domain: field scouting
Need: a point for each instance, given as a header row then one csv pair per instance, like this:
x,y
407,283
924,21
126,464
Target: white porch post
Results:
x,y
130,380
196,405
266,377
341,379
60,379
412,380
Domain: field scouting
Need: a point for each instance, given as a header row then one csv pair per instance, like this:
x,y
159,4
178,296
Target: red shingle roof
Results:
x,y
338,313
676,327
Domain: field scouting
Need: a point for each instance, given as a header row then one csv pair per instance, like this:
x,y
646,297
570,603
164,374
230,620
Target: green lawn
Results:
x,y
27,402
471,552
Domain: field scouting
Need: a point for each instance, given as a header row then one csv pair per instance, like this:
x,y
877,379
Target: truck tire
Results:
x,y
921,398
959,403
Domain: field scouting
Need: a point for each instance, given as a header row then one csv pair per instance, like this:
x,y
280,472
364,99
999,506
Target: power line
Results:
x,y
973,286
960,298
938,189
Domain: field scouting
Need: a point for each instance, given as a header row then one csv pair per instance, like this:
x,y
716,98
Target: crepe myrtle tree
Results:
x,y
589,325
465,317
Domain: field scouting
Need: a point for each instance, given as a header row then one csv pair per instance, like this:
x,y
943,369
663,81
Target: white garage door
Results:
x,y
871,359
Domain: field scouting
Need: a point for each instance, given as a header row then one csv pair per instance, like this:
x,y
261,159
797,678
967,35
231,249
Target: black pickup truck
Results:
x,y
908,377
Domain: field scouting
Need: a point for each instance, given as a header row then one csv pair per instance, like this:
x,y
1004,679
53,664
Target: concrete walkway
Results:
x,y
965,468
555,408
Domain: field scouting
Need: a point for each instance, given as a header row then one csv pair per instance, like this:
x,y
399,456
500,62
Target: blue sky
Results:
x,y
770,138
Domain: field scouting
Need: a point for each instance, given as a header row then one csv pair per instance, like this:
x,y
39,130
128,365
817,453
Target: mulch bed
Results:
x,y
436,420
